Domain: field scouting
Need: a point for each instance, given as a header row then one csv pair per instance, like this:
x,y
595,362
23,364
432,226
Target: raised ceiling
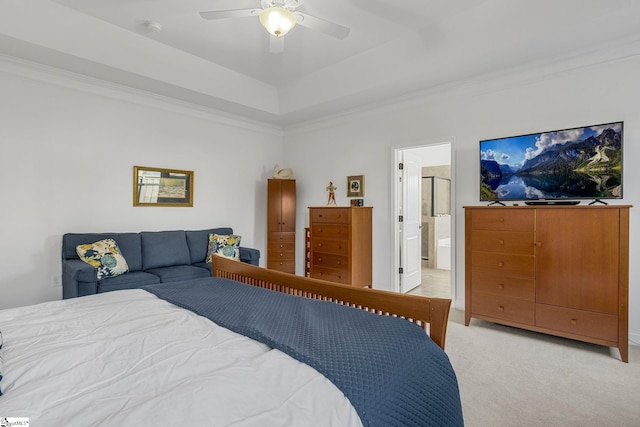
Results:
x,y
394,49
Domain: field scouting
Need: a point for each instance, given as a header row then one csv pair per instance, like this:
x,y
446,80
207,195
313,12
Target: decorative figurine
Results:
x,y
332,193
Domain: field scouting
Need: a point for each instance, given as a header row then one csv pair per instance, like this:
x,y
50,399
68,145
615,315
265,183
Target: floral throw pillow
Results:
x,y
227,245
105,256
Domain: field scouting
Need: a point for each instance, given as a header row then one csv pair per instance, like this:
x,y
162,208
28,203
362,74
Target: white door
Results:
x,y
411,225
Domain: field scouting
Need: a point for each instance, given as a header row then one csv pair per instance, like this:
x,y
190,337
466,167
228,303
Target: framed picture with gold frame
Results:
x,y
355,186
162,187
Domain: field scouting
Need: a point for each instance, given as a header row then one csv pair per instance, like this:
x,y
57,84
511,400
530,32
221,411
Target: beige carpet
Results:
x,y
511,377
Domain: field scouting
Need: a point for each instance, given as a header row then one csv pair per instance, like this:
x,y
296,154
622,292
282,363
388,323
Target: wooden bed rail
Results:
x,y
423,311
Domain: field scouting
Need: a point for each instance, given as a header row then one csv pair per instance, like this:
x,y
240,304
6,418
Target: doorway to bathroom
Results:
x,y
423,202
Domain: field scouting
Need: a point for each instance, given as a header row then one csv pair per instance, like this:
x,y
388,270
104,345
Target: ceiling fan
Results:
x,y
280,16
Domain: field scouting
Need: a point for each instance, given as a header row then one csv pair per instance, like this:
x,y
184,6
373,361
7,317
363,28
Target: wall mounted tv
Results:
x,y
561,165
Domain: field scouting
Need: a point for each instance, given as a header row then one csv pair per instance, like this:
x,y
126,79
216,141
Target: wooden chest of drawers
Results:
x,y
502,265
340,244
281,252
561,270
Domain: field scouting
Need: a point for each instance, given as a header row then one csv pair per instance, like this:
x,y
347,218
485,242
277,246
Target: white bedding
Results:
x,y
129,358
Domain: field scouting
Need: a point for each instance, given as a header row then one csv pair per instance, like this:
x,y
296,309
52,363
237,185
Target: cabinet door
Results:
x,y
281,205
274,206
288,206
577,258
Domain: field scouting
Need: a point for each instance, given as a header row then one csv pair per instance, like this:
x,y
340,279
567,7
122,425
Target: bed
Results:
x,y
214,351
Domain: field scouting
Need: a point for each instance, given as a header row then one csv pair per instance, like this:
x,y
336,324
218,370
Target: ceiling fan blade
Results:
x,y
327,27
233,13
276,44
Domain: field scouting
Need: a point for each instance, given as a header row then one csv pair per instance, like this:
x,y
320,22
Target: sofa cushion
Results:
x,y
226,245
204,264
129,244
105,257
164,249
198,241
179,272
132,280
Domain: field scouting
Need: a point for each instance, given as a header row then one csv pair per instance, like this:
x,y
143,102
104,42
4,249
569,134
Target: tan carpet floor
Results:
x,y
512,377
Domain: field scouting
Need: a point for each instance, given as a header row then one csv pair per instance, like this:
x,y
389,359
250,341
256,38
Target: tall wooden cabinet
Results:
x,y
281,225
340,244
561,270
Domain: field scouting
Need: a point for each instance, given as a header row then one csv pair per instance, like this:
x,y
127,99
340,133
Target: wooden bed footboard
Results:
x,y
431,314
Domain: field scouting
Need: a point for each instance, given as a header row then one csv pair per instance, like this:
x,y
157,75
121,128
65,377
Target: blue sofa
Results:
x,y
152,256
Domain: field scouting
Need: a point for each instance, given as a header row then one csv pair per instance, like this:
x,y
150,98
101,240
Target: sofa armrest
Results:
x,y
75,271
250,255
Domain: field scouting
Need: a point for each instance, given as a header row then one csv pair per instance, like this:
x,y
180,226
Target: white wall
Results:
x,y
511,105
68,148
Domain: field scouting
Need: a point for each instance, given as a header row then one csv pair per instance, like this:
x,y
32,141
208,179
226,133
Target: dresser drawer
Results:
x,y
282,237
281,246
288,266
330,230
492,262
507,219
340,276
503,286
280,255
331,246
579,322
321,259
330,215
503,308
515,242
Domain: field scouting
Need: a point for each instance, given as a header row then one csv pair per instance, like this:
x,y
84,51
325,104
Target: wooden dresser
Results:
x,y
561,270
340,244
281,225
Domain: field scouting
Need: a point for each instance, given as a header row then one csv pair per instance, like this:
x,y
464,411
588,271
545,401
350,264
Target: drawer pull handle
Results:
x,y
282,246
281,254
501,220
500,264
538,244
574,322
339,262
319,245
501,308
319,259
501,286
501,242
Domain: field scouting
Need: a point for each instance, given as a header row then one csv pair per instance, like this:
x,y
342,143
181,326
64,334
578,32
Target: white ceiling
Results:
x,y
395,47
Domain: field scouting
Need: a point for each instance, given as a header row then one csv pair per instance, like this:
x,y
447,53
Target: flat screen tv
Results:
x,y
568,164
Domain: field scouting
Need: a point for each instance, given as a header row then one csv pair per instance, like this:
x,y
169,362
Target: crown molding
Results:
x,y
594,57
74,81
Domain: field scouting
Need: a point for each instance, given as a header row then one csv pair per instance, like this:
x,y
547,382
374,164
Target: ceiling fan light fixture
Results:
x,y
277,20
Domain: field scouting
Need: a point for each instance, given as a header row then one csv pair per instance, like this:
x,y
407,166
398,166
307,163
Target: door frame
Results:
x,y
397,204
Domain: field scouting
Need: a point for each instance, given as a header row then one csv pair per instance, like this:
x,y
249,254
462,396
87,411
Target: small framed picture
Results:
x,y
355,186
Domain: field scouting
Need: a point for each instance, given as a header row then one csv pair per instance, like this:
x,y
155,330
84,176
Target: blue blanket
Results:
x,y
390,370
